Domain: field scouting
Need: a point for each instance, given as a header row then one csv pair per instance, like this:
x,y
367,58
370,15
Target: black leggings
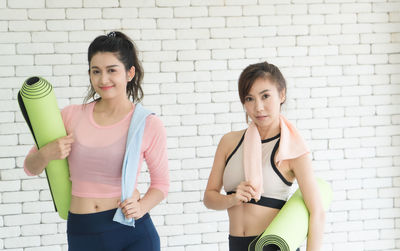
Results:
x,y
98,232
237,243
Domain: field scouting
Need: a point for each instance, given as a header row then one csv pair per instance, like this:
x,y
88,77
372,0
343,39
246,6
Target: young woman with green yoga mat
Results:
x,y
107,141
257,166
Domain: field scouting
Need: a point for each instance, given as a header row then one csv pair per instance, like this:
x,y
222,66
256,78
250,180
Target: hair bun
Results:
x,y
111,34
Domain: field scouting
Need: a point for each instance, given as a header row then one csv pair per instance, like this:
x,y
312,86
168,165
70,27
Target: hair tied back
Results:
x,y
111,34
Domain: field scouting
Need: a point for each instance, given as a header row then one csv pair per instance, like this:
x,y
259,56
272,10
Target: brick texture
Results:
x,y
342,63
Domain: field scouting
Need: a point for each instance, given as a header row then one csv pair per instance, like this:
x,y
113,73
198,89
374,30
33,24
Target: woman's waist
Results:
x,y
86,205
98,222
250,219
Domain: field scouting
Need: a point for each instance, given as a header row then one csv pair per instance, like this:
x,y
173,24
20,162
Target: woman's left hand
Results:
x,y
131,207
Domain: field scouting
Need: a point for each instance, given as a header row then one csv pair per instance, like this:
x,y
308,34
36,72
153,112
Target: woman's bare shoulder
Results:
x,y
231,139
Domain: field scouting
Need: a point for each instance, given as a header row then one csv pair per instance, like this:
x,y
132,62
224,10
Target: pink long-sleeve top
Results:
x,y
95,161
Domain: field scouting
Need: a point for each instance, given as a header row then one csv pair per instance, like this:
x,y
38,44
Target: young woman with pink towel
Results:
x,y
258,165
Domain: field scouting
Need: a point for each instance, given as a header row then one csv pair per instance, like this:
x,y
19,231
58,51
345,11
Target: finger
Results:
x,y
134,216
68,140
130,212
131,206
127,216
250,190
246,195
123,204
242,198
248,184
65,153
68,148
126,202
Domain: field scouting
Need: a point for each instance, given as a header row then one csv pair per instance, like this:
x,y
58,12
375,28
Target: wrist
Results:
x,y
232,200
43,156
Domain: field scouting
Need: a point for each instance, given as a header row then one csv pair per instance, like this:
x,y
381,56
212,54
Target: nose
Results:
x,y
259,105
104,78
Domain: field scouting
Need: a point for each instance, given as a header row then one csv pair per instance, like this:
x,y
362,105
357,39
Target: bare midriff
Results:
x,y
249,219
80,205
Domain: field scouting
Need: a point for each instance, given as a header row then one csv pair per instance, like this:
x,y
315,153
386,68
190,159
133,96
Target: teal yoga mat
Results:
x,y
288,230
39,107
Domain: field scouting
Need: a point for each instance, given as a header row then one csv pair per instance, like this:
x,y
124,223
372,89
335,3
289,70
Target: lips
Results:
x,y
261,117
105,88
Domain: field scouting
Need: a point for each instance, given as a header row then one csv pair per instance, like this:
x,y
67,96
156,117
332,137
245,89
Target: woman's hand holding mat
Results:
x,y
58,149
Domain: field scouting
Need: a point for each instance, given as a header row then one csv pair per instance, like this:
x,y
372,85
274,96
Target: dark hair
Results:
x,y
260,70
125,50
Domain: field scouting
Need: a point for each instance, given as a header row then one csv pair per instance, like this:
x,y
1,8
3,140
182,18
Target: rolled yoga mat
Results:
x,y
288,230
39,107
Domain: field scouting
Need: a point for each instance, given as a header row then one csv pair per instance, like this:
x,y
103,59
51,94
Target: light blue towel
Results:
x,y
131,160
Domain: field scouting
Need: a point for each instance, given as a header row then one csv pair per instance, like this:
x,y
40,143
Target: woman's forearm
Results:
x,y
60,148
315,231
36,162
151,199
217,201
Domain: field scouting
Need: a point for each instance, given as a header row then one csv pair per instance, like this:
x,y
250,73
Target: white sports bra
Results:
x,y
276,187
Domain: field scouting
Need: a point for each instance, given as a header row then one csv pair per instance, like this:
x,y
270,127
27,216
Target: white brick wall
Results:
x,y
342,63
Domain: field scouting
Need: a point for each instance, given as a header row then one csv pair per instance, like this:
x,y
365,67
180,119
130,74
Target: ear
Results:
x,y
282,95
131,73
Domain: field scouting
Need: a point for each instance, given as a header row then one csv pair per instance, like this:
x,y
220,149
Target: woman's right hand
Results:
x,y
57,149
244,193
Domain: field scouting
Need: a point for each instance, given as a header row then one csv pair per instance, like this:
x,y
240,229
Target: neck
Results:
x,y
270,130
113,106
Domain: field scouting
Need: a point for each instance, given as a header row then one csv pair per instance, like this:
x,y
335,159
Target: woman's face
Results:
x,y
108,75
263,102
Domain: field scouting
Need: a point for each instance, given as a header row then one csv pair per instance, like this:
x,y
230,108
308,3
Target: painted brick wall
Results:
x,y
342,62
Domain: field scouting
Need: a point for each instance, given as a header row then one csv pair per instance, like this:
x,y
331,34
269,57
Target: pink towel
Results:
x,y
291,146
252,159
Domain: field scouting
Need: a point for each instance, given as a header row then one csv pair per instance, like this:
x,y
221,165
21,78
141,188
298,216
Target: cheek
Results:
x,y
273,105
247,106
94,76
121,78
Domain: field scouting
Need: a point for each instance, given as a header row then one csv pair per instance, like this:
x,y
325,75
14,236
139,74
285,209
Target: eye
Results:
x,y
95,71
111,70
248,99
265,96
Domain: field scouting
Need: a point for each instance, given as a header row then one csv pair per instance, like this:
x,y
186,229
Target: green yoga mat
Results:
x,y
288,230
39,107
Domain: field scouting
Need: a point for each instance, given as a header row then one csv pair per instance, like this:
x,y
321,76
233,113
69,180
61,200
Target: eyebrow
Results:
x,y
261,92
266,90
108,66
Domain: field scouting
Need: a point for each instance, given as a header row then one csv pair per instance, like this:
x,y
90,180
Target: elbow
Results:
x,y
28,171
206,200
162,188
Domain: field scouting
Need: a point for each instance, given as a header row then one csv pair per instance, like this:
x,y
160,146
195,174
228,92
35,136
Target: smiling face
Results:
x,y
108,75
263,103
